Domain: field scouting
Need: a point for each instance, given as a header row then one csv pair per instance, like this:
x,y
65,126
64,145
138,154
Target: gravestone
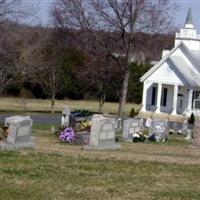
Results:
x,y
102,134
188,134
159,128
196,132
65,117
131,126
148,122
19,133
180,128
185,128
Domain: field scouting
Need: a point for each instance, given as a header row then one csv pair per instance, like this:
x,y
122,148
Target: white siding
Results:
x,y
166,75
183,91
170,92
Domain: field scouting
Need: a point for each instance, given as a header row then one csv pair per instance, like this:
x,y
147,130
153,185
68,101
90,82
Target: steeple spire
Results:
x,y
189,17
188,34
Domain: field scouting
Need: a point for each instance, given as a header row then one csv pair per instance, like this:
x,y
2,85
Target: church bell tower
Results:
x,y
188,34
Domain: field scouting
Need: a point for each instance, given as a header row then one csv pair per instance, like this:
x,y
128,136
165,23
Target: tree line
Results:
x,y
95,49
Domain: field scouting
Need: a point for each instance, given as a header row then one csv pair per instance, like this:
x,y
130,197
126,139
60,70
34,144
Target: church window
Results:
x,y
164,97
153,100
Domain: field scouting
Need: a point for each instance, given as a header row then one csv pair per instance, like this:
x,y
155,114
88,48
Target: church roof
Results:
x,y
195,57
155,67
189,17
191,76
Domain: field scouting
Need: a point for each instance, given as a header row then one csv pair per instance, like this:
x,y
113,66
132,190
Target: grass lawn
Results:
x,y
136,171
31,105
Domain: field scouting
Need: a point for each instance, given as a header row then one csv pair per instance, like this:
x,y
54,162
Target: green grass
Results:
x,y
8,104
151,171
35,175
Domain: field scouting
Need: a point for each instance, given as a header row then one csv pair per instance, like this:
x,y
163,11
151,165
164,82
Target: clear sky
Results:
x,y
179,16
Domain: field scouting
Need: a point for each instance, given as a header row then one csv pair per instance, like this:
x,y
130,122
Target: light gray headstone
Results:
x,y
188,134
159,128
196,131
180,128
131,126
102,133
65,117
19,133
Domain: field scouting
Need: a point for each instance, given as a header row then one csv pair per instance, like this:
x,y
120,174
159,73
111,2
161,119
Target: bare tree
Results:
x,y
10,12
42,63
112,25
8,56
6,78
97,75
13,10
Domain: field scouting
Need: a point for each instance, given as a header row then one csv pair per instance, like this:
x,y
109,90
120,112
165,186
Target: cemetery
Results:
x,y
93,161
75,122
92,131
90,155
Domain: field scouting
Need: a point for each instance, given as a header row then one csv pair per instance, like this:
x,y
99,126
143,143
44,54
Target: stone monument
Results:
x,y
65,117
102,134
131,126
159,128
19,133
188,134
196,134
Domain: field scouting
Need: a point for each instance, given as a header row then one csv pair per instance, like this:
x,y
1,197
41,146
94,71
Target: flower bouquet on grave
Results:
x,y
3,132
171,131
67,135
85,125
139,137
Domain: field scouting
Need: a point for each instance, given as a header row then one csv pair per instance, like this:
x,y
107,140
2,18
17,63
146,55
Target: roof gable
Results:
x,y
167,74
156,66
186,52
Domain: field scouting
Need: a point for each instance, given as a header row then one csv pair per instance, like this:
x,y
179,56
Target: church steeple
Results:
x,y
189,17
188,34
189,20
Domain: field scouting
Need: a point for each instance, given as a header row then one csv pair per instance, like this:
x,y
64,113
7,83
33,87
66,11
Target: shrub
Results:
x,y
26,93
191,120
132,112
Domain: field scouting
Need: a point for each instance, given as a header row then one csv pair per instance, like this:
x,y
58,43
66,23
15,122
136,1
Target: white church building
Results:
x,y
173,85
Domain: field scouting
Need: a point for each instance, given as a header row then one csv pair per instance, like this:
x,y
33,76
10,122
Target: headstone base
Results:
x,y
111,147
127,140
17,146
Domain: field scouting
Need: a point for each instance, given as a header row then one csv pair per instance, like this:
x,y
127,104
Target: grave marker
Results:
x,y
131,126
196,131
159,128
102,135
19,133
65,117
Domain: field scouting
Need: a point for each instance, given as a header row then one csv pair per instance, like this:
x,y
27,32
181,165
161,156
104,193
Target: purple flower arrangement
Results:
x,y
67,135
